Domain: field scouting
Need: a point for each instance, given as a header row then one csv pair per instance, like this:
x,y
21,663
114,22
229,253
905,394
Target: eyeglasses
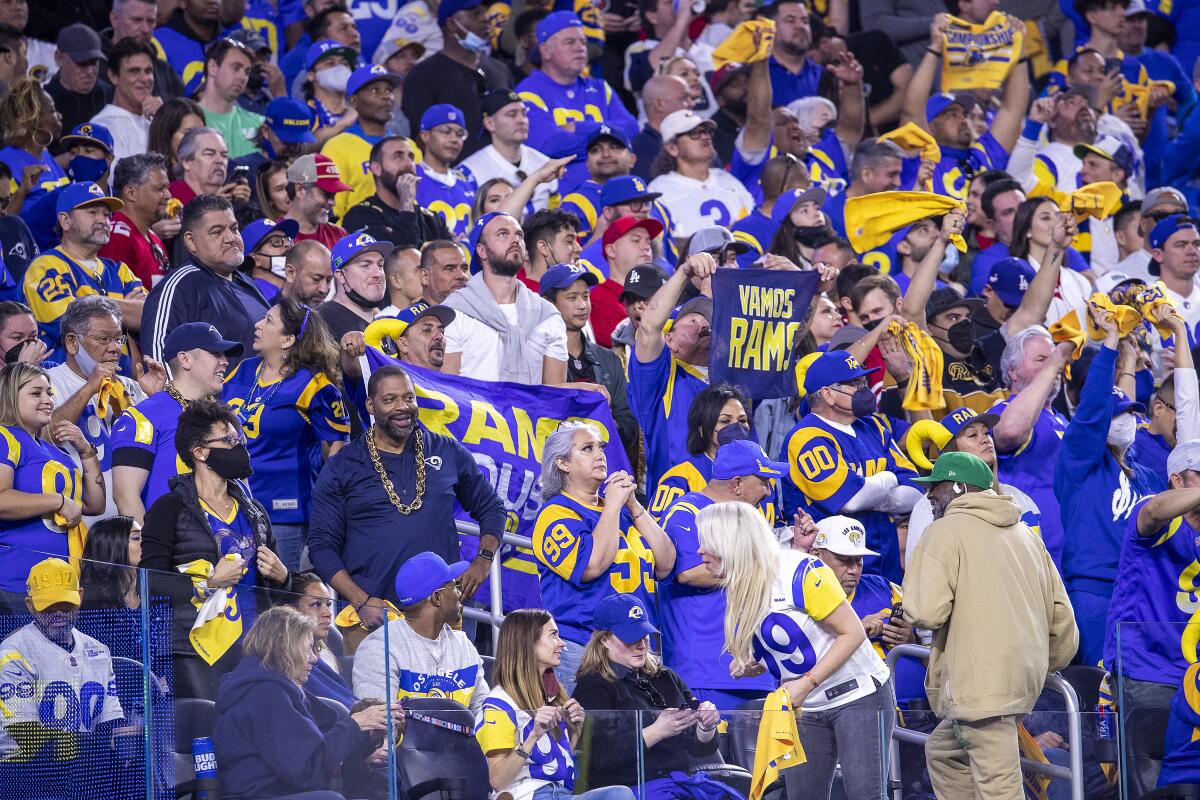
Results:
x,y
104,340
703,132
1160,399
279,240
232,440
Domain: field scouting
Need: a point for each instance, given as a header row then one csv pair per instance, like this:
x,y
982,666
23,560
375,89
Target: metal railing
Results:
x,y
494,614
1074,732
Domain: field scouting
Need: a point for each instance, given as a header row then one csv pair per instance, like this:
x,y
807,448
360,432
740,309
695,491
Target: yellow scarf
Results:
x,y
76,538
112,395
1151,298
979,56
873,218
1139,94
1127,318
348,616
924,392
778,746
739,47
911,136
218,623
1068,329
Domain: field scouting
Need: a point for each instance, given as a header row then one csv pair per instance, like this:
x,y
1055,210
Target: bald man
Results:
x,y
661,95
307,276
403,280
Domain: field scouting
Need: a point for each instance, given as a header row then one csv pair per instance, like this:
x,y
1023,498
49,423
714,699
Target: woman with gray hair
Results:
x,y
273,737
592,538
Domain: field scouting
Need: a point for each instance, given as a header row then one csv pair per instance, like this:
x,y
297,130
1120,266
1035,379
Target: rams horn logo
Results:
x,y
855,536
852,362
95,190
85,130
364,239
636,612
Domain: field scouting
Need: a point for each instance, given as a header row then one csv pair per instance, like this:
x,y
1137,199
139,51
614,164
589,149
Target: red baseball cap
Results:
x,y
623,225
319,169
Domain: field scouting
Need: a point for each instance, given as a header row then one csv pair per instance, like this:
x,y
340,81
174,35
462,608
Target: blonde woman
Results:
x,y
273,737
785,612
528,727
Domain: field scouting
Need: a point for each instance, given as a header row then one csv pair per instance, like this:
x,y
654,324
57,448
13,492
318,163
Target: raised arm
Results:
x,y
852,102
1036,302
921,285
1166,506
925,77
1006,126
756,135
648,339
1017,419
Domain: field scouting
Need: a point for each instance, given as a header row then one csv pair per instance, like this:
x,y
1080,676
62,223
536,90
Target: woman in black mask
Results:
x,y
208,517
801,225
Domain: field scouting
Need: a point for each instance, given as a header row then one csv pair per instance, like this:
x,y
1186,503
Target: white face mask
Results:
x,y
334,79
278,266
1122,430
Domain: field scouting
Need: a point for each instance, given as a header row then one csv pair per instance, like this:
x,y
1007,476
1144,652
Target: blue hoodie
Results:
x,y
273,738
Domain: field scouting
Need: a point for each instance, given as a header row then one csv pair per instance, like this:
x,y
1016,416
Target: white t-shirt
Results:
x,y
1071,295
66,383
480,345
720,199
501,725
1136,265
1188,307
487,163
131,132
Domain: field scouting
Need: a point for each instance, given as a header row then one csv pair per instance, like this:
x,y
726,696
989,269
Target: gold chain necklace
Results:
x,y
170,389
387,482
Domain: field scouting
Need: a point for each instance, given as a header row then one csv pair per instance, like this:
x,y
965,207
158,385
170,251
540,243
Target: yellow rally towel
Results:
x,y
1068,329
1099,200
924,392
1152,297
348,616
112,395
76,538
1035,784
873,218
218,623
1139,95
979,56
739,47
911,136
778,746
1127,318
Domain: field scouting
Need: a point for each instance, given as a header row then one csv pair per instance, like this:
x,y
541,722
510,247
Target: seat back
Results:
x,y
194,718
1085,680
1144,733
437,763
743,734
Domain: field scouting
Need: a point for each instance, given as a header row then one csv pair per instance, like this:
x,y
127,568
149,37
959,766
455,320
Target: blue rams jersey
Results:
x,y
874,594
1030,468
38,467
183,53
269,21
757,230
502,725
885,258
17,160
1154,607
952,175
234,535
587,103
827,165
691,475
146,432
661,394
828,466
1181,762
285,422
452,200
835,211
562,543
787,86
1151,451
693,618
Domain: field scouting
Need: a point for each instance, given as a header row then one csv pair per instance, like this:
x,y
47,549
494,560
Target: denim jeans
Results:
x,y
568,665
556,791
852,735
289,542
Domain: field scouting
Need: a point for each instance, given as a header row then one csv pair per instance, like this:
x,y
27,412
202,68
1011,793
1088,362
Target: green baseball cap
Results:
x,y
960,468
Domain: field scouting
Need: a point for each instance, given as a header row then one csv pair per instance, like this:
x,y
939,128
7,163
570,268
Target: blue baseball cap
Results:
x,y
789,200
448,8
355,244
365,75
424,574
960,418
1010,278
89,133
625,189
198,336
1165,229
477,231
556,21
938,103
560,276
255,232
1122,402
744,457
329,47
697,305
408,316
442,114
625,616
832,368
82,195
609,132
290,120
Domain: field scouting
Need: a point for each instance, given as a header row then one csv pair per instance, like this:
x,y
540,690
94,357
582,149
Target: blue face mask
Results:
x,y
473,42
85,168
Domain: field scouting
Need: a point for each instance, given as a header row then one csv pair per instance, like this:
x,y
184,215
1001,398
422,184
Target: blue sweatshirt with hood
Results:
x,y
273,738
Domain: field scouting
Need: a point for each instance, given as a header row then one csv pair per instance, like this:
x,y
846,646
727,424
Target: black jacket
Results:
x,y
177,532
616,762
401,228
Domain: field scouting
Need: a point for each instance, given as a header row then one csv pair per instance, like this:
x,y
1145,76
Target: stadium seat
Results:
x,y
732,776
346,667
1085,680
1175,791
743,738
194,718
1144,731
489,664
435,763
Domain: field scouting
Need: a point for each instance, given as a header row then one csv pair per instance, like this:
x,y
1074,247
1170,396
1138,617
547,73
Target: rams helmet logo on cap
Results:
x,y
95,190
820,541
363,240
855,536
852,362
636,612
85,130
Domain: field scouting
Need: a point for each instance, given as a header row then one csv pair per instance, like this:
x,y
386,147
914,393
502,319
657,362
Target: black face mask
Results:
x,y
811,234
871,325
14,353
961,335
232,463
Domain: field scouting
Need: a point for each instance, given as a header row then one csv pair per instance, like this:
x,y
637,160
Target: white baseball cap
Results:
x,y
845,536
677,123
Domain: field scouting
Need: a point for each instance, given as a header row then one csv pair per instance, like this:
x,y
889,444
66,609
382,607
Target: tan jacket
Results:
x,y
984,584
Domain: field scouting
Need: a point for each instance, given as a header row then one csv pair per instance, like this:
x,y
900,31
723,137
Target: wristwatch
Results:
x,y
485,553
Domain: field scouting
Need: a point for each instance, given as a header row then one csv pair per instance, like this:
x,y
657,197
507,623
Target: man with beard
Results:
x,y
358,274
313,183
498,301
793,74
364,526
392,214
41,661
210,287
226,72
141,182
444,269
371,92
306,274
420,336
1070,120
976,551
946,117
730,85
131,72
143,439
75,268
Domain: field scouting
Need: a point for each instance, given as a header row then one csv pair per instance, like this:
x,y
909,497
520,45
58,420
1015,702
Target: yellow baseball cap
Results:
x,y
52,581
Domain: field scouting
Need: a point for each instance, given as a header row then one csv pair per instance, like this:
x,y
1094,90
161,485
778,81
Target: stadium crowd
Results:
x,y
240,239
